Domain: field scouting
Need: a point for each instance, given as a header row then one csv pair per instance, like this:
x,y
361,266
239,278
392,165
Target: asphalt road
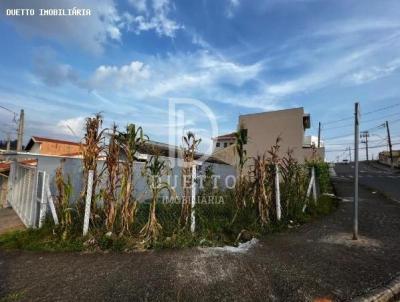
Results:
x,y
317,261
375,176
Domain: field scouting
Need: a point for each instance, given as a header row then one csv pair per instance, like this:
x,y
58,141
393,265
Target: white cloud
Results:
x,y
119,77
90,33
374,73
140,5
199,71
231,8
354,26
50,71
199,75
152,15
324,72
72,126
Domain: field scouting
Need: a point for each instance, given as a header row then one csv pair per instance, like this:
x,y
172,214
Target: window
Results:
x,y
218,144
225,145
245,135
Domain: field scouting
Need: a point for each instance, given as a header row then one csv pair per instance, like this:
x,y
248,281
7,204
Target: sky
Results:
x,y
131,58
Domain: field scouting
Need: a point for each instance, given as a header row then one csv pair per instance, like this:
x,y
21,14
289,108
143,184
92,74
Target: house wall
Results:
x,y
222,142
52,148
35,148
226,154
319,153
72,168
264,128
384,158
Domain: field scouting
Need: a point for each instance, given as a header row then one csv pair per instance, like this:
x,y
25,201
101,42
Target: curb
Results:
x,y
382,294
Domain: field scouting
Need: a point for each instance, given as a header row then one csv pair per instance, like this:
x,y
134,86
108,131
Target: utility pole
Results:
x,y
8,142
356,141
319,134
390,144
20,136
365,135
349,154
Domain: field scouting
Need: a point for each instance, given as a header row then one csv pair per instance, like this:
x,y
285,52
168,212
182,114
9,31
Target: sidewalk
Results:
x,y
316,261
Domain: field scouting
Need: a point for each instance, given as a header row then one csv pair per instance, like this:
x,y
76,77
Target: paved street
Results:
x,y
375,176
313,262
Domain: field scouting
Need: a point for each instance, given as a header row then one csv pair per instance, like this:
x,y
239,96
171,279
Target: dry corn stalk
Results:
x,y
112,167
190,145
92,146
129,141
64,190
261,190
154,169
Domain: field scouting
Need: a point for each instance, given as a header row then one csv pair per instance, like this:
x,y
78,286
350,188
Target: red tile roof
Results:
x,y
5,166
38,139
52,140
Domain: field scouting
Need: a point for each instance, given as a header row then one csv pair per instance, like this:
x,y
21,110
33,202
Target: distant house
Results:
x,y
312,140
384,158
157,148
50,146
223,141
264,128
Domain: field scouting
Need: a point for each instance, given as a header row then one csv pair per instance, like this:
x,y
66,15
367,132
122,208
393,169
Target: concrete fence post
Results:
x,y
88,202
11,183
314,185
193,200
51,202
277,194
43,203
311,186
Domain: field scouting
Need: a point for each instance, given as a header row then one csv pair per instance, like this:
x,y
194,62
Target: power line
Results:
x,y
366,113
362,121
9,110
370,129
381,109
352,149
350,142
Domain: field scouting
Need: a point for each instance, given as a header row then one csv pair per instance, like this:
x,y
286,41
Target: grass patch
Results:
x,y
17,296
42,239
213,228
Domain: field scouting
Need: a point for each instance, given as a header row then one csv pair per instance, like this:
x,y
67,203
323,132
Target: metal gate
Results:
x,y
22,190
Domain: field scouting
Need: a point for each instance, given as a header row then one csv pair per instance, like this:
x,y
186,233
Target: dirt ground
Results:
x,y
9,220
318,260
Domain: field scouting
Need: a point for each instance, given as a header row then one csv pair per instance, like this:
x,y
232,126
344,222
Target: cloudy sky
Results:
x,y
131,58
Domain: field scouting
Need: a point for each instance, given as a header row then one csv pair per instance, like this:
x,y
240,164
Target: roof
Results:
x,y
38,139
5,166
275,111
225,136
162,149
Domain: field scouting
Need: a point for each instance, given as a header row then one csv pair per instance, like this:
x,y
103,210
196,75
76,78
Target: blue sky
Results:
x,y
130,58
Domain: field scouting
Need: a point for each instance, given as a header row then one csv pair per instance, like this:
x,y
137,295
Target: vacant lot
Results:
x,y
314,261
